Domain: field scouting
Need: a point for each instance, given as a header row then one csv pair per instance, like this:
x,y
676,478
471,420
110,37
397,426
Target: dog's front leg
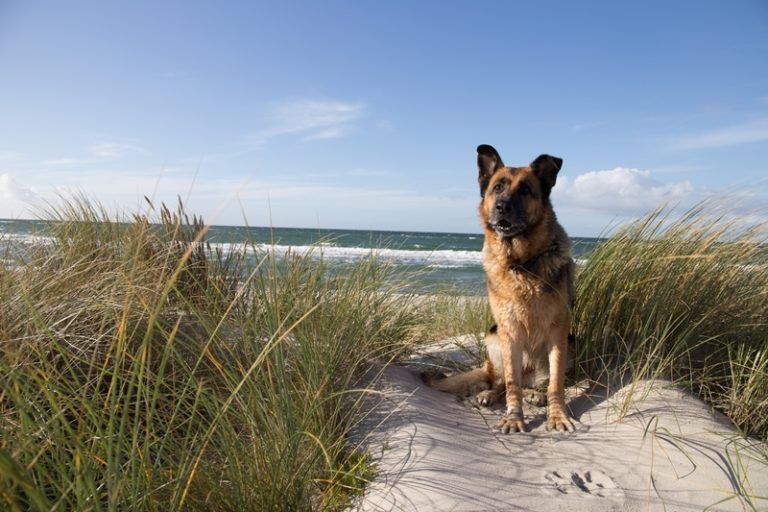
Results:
x,y
557,417
512,357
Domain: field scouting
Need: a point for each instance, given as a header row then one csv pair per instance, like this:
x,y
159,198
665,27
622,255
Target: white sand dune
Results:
x,y
668,452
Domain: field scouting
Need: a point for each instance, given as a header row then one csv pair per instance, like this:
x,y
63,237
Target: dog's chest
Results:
x,y
520,293
510,282
519,300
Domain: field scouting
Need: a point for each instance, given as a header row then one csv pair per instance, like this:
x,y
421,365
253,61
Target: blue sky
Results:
x,y
367,114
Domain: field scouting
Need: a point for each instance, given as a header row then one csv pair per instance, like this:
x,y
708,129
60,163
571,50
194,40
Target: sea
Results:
x,y
435,262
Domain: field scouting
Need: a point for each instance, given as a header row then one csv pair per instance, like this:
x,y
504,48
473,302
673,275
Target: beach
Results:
x,y
666,450
173,365
236,239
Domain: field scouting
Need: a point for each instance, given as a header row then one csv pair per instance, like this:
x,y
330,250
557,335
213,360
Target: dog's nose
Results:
x,y
501,207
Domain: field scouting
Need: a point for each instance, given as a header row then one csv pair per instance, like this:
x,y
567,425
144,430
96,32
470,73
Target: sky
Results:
x,y
366,115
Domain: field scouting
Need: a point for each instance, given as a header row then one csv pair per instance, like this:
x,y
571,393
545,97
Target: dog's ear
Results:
x,y
488,162
546,168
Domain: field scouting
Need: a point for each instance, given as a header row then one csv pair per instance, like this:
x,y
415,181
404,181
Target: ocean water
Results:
x,y
440,261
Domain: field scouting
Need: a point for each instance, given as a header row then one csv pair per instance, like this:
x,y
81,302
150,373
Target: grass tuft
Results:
x,y
684,299
143,369
681,298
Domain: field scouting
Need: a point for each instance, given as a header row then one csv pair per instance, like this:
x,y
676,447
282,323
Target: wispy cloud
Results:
x,y
7,156
284,200
755,131
620,191
65,162
96,153
312,120
113,149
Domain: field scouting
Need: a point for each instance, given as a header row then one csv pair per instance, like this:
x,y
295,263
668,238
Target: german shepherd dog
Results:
x,y
529,273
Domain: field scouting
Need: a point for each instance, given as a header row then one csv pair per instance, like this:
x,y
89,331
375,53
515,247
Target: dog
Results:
x,y
529,274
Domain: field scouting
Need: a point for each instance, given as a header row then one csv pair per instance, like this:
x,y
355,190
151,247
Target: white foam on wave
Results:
x,y
25,238
446,258
437,258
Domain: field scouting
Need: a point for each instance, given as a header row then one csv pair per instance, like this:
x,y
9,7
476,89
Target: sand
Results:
x,y
667,451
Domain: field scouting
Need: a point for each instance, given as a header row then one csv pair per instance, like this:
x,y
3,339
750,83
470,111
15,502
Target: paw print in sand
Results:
x,y
586,483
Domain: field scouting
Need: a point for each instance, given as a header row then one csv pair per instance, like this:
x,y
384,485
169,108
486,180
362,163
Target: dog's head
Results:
x,y
514,198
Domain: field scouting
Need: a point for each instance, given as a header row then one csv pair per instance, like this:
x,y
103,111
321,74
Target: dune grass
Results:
x,y
141,369
681,298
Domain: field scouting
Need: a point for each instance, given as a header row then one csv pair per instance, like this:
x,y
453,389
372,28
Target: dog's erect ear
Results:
x,y
488,162
546,168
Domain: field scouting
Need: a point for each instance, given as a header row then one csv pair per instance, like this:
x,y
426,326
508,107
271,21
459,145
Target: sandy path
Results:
x,y
670,452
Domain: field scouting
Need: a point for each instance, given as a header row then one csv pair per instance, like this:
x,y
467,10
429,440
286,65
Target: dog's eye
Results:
x,y
497,187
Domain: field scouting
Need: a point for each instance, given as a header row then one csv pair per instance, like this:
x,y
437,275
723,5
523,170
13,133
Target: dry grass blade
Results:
x,y
143,368
684,299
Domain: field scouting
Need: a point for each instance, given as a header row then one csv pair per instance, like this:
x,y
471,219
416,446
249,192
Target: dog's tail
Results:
x,y
462,384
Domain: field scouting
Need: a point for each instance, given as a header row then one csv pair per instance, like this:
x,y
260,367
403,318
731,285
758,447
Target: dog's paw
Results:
x,y
559,420
486,397
511,424
535,397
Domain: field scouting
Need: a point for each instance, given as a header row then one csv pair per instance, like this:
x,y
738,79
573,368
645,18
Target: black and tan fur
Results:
x,y
529,273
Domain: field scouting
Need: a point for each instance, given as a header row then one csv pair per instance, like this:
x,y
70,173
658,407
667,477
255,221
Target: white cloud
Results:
x,y
16,200
329,133
312,120
755,131
283,203
10,189
309,201
619,191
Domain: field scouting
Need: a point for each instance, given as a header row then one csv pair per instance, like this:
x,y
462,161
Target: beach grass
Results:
x,y
143,370
678,297
681,298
